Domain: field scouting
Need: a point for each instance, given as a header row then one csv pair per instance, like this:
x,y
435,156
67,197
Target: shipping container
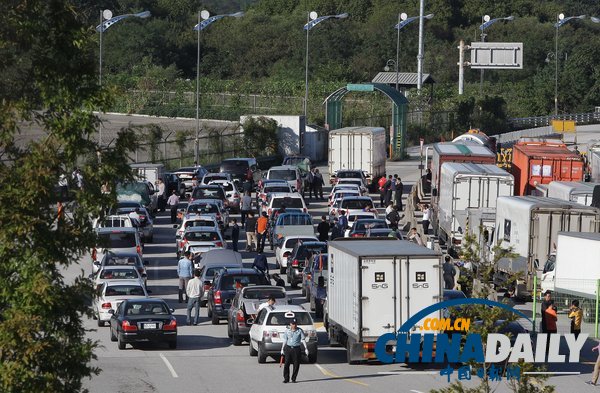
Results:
x,y
579,192
374,287
540,161
361,148
593,157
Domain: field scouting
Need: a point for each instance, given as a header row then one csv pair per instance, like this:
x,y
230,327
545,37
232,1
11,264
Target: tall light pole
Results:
x,y
560,20
485,23
404,20
312,20
204,20
421,55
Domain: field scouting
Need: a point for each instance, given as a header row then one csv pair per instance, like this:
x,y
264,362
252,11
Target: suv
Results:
x,y
350,174
212,207
289,200
289,173
225,285
298,258
117,240
239,167
187,174
266,333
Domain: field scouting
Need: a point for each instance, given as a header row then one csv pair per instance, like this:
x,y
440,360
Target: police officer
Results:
x,y
292,339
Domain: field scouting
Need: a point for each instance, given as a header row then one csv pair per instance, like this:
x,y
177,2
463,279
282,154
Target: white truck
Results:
x,y
358,148
580,192
467,186
530,226
593,158
373,287
148,171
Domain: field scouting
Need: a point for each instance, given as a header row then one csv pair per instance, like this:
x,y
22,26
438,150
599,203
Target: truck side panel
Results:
x,y
380,313
420,286
577,264
343,291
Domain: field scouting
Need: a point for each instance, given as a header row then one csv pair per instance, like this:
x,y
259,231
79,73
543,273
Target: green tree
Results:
x,y
260,136
48,81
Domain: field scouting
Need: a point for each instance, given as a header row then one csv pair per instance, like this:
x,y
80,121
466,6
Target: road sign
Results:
x,y
497,55
563,125
359,87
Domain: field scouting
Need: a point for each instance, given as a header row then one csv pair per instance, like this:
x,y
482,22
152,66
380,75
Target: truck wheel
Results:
x,y
251,350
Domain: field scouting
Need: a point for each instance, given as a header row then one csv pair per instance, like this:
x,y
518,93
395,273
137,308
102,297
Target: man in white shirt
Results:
x,y
173,201
269,303
245,206
194,291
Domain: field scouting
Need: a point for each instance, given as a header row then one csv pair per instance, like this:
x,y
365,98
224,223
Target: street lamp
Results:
x,y
485,23
204,20
560,20
404,20
312,20
106,21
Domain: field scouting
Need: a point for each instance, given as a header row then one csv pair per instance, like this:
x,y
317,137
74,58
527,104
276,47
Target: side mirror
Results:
x,y
172,309
97,263
250,321
175,226
111,311
146,263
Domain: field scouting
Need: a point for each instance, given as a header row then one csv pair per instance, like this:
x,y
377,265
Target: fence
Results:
x,y
540,121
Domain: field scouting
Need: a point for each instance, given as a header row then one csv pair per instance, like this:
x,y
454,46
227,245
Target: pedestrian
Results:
x,y
247,186
388,210
261,231
245,206
184,272
398,195
320,297
260,263
292,339
323,229
414,237
162,201
381,183
193,290
448,273
173,202
318,183
426,218
235,234
548,320
596,367
269,303
393,217
576,315
335,230
310,179
343,222
388,191
250,228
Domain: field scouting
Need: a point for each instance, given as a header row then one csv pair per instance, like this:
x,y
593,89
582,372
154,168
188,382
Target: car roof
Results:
x,y
370,219
207,186
201,229
116,230
286,308
294,213
118,267
146,300
285,195
298,237
350,170
241,270
122,254
286,167
122,282
358,198
313,243
198,217
269,287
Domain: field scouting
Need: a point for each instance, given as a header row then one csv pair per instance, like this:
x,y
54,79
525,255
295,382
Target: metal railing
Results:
x,y
540,121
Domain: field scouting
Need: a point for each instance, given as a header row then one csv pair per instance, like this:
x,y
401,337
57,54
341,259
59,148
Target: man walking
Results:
x,y
260,263
318,184
235,234
173,201
292,339
250,228
448,273
381,184
261,231
388,191
323,229
193,291
310,180
399,191
426,218
343,223
184,272
245,206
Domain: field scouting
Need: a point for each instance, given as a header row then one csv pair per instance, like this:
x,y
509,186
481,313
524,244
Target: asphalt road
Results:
x,y
206,361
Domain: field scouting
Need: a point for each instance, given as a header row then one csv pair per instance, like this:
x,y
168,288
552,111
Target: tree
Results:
x,y
48,81
260,136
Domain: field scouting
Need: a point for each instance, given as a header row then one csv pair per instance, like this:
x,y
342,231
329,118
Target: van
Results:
x,y
289,173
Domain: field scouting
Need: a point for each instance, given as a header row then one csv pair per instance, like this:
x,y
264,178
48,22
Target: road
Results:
x,y
206,361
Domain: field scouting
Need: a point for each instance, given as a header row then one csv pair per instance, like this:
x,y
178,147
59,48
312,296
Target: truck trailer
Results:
x,y
529,226
580,192
358,148
373,287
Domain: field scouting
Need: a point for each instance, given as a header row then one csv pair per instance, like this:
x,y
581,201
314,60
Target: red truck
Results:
x,y
540,161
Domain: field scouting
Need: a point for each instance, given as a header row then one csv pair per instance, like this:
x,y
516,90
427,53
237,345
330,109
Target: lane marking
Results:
x,y
169,366
328,373
415,391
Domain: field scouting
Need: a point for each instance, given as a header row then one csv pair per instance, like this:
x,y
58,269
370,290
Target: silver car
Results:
x,y
112,293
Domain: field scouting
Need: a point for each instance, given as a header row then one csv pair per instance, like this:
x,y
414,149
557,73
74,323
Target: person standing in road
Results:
x,y
310,180
173,202
245,206
260,263
399,191
318,184
269,303
343,222
335,230
193,291
320,297
161,195
426,219
414,237
596,367
261,231
250,228
576,315
184,272
381,183
388,191
448,273
394,218
547,323
292,339
235,234
323,229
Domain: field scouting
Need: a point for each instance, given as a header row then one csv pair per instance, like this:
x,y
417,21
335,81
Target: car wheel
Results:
x,y
215,319
229,332
121,344
173,344
303,291
100,323
282,270
312,357
237,340
113,338
262,357
251,349
208,311
294,284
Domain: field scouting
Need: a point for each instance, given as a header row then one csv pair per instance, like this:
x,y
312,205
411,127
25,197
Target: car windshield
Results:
x,y
355,182
356,203
121,261
349,174
287,202
114,222
207,208
379,234
283,174
235,166
124,290
306,251
199,223
290,243
294,219
354,217
214,176
118,240
208,193
362,224
295,160
229,282
263,294
146,308
118,274
211,271
345,193
284,319
269,189
201,236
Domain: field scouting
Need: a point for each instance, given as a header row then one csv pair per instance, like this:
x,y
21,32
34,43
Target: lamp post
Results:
x,y
387,68
204,20
106,21
312,20
560,20
485,23
404,20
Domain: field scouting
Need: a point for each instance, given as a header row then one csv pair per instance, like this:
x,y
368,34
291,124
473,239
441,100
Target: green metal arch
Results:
x,y
333,111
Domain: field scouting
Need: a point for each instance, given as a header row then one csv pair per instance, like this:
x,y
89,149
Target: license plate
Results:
x,y
150,326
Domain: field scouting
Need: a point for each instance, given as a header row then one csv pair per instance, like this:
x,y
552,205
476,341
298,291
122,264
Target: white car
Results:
x,y
215,176
355,174
195,220
231,193
289,200
199,240
270,188
356,182
343,193
118,272
285,247
116,240
345,186
352,217
213,207
353,205
289,173
266,333
112,293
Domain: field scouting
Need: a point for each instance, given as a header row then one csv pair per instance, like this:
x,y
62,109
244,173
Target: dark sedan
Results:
x,y
143,320
302,253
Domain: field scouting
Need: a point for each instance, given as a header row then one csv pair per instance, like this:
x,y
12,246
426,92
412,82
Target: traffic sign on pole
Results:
x,y
496,55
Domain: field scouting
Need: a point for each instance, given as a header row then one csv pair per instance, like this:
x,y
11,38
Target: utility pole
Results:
x,y
421,54
461,66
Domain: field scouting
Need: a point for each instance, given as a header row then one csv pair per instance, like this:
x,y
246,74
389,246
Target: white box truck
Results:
x,y
148,171
373,287
593,158
358,148
574,191
530,226
467,186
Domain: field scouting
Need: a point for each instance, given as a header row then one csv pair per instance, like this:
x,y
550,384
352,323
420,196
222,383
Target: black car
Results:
x,y
238,168
143,320
224,287
297,260
172,183
361,227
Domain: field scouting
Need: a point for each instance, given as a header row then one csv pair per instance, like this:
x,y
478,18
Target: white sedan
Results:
x,y
112,293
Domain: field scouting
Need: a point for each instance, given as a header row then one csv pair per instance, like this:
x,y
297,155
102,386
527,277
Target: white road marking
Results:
x,y
415,391
169,366
328,373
